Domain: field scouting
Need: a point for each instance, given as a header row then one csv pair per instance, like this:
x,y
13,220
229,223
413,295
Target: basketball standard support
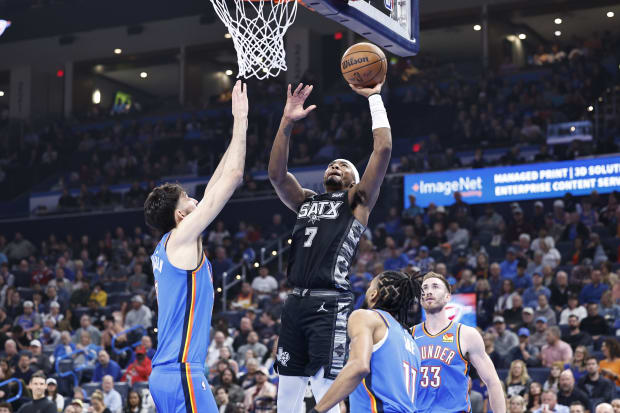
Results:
x,y
378,28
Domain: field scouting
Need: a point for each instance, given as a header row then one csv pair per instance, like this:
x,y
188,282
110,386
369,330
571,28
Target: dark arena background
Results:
x,y
504,178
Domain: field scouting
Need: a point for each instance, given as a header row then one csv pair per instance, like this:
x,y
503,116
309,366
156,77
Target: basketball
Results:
x,y
363,64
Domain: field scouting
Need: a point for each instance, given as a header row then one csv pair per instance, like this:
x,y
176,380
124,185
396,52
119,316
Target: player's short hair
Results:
x,y
6,406
438,276
397,294
160,205
38,375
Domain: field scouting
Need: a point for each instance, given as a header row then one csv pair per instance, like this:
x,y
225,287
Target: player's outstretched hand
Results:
x,y
367,91
240,100
294,109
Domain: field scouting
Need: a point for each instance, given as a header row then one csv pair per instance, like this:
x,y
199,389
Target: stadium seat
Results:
x,y
117,298
539,374
25,293
89,388
123,388
140,385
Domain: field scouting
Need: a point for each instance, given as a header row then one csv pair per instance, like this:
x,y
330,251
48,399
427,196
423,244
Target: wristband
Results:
x,y
378,112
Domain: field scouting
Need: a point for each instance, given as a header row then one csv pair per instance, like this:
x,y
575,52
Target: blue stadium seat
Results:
x,y
140,385
25,293
89,388
123,388
539,374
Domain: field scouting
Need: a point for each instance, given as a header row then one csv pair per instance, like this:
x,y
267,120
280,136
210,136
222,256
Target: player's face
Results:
x,y
338,176
372,293
186,205
435,295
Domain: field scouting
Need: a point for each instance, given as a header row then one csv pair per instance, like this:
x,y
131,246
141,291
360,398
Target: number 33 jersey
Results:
x,y
443,373
324,242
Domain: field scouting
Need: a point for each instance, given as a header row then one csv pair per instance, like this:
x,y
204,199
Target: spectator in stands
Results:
x,y
39,403
513,315
139,315
213,354
518,226
111,398
524,350
106,367
217,235
265,284
10,352
148,346
534,399
245,299
253,344
276,228
19,248
245,327
593,291
220,264
575,228
50,336
97,403
53,395
615,403
137,280
412,211
568,393
522,281
87,327
485,303
555,349
597,388
573,309
509,265
495,279
505,339
594,324
261,390
140,369
518,381
38,360
423,261
489,222
223,402
504,301
516,404
228,380
457,237
549,399
543,310
551,256
527,320
98,294
610,366
559,292
604,408
65,346
23,370
530,296
29,320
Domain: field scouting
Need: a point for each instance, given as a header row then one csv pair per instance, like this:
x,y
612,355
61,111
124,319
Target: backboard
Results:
x,y
390,24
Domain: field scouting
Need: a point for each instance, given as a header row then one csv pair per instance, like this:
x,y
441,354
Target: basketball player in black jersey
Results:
x,y
313,339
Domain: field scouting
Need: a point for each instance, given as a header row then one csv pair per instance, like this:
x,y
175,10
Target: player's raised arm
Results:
x,y
473,347
361,328
286,185
227,179
368,188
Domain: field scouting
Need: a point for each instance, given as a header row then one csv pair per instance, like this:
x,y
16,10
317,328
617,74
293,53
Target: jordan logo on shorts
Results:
x,y
322,308
283,356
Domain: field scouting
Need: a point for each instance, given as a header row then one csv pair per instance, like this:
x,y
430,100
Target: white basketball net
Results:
x,y
257,32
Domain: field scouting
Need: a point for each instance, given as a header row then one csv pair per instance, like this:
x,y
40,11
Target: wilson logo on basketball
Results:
x,y
353,61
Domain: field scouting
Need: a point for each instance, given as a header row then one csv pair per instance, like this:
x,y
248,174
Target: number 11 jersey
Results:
x,y
324,242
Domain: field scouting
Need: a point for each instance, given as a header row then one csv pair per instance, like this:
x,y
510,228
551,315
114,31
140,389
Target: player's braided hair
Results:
x,y
397,294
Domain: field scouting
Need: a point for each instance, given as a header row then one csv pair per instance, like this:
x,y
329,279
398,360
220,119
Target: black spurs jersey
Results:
x,y
325,239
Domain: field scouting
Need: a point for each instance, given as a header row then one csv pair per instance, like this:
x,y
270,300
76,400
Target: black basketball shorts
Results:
x,y
314,333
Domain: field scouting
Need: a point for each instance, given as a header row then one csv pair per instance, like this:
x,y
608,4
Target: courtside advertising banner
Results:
x,y
515,183
461,309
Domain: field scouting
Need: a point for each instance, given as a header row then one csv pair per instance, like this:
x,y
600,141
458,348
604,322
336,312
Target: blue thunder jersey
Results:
x,y
392,384
185,302
443,375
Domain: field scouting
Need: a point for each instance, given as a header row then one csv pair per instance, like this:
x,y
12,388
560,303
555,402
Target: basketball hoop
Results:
x,y
257,31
